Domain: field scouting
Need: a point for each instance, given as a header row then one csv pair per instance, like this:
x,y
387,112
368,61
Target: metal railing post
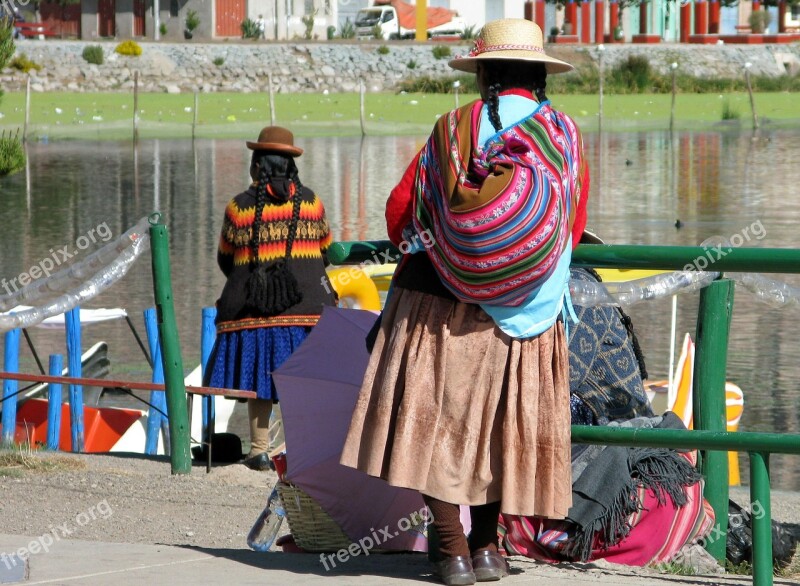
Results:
x,y
180,454
708,395
56,366
762,521
9,404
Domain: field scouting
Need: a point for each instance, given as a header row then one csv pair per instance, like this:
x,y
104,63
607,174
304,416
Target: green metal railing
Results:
x,y
708,392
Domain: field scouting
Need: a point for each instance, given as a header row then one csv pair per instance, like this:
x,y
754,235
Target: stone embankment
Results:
x,y
336,66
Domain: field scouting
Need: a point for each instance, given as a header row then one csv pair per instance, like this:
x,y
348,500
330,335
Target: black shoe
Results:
x,y
489,565
259,462
456,571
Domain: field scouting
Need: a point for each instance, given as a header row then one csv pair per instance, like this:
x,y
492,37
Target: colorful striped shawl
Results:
x,y
499,216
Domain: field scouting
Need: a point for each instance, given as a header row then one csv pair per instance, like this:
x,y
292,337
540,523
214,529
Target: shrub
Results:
x,y
7,47
441,52
162,28
383,50
377,32
219,61
22,63
633,75
308,22
93,54
411,64
12,154
129,47
331,32
729,112
348,30
469,33
759,21
250,29
192,20
439,85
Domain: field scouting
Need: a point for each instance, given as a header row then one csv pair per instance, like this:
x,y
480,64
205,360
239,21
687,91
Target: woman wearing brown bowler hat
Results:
x,y
466,396
272,252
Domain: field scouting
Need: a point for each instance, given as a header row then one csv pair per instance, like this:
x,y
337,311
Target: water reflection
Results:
x,y
715,183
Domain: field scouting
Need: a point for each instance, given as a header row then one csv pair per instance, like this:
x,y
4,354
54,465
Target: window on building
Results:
x,y
174,8
439,3
494,9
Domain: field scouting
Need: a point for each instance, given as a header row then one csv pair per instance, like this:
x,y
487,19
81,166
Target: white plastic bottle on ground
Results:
x,y
268,523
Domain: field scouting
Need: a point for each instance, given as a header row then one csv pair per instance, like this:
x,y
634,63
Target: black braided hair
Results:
x,y
493,103
271,166
500,76
273,289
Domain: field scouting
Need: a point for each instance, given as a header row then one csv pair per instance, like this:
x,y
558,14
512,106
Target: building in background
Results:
x,y
591,21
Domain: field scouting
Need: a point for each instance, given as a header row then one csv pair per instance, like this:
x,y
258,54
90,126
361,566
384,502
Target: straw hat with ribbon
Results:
x,y
510,39
275,139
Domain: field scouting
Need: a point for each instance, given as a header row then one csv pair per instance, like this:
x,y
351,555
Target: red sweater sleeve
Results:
x,y
399,206
579,224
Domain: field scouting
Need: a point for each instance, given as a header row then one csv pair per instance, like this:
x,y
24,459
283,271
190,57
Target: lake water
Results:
x,y
721,183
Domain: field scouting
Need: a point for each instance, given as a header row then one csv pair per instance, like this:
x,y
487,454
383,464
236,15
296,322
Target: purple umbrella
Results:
x,y
318,387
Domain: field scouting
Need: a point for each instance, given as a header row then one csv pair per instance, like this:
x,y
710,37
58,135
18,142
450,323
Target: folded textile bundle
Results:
x,y
606,480
630,505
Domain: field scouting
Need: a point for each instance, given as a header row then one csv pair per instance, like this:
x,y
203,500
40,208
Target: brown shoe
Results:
x,y
456,571
489,566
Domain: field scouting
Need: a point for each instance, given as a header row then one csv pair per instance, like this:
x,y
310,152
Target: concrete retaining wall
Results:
x,y
336,66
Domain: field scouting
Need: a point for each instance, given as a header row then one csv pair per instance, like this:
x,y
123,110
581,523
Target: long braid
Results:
x,y
294,176
493,103
261,200
539,92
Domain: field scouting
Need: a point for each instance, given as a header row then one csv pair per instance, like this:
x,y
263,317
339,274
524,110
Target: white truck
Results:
x,y
398,20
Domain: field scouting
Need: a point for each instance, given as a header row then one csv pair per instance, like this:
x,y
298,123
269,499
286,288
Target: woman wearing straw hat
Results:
x,y
272,252
466,396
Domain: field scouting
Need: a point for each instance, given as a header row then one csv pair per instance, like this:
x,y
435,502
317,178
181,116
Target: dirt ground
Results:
x,y
136,499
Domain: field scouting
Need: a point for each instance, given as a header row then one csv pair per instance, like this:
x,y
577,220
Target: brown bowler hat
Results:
x,y
276,139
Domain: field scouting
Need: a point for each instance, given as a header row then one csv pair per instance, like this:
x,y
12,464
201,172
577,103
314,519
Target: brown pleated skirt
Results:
x,y
453,407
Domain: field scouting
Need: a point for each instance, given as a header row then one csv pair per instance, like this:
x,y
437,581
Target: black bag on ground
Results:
x,y
739,543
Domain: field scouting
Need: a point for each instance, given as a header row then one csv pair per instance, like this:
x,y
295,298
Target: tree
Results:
x,y
12,154
6,41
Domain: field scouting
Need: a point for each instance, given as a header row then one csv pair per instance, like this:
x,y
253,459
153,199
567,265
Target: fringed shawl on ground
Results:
x,y
499,214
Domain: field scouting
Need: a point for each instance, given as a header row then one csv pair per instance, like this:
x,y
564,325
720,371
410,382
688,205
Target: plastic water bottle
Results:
x,y
267,525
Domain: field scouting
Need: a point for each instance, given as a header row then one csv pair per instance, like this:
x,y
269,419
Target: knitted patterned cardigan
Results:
x,y
307,263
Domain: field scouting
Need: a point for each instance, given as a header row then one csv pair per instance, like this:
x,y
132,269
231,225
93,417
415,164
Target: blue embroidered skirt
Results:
x,y
245,359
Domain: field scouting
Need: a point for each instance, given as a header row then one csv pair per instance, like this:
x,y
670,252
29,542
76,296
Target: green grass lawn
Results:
x,y
110,115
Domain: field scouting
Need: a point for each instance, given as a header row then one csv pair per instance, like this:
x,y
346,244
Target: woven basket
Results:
x,y
312,528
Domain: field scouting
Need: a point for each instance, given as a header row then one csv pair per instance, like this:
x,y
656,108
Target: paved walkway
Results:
x,y
99,564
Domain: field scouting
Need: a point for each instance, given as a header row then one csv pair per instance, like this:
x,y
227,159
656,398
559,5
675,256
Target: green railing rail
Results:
x,y
672,258
708,392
